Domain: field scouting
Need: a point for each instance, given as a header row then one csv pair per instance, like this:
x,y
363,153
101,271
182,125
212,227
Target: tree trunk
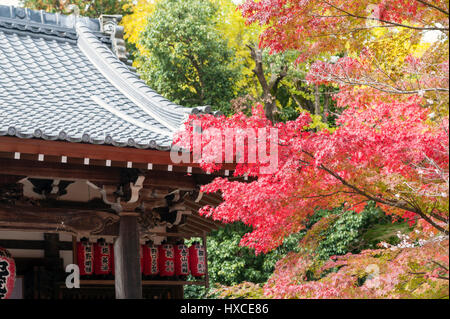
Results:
x,y
326,107
269,88
316,100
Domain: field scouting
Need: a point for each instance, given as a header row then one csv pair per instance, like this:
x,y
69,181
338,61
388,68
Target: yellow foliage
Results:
x,y
135,22
391,47
230,24
233,27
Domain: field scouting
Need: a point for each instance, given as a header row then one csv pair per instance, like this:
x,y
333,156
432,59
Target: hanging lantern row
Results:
x,y
165,260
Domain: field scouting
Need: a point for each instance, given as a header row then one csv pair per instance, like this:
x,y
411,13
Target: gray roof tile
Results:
x,y
60,81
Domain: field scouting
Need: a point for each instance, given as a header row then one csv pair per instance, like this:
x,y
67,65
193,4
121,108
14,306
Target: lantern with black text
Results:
x,y
197,260
166,260
85,254
103,260
181,260
151,257
7,274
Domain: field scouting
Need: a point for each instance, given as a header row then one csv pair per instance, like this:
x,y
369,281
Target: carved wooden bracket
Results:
x,y
121,198
10,193
75,221
49,188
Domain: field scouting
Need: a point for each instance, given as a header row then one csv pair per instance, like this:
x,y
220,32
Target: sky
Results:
x,y
10,2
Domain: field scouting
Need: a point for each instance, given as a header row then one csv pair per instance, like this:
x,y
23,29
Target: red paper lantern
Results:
x,y
141,256
151,258
197,260
166,260
85,253
103,260
7,274
181,260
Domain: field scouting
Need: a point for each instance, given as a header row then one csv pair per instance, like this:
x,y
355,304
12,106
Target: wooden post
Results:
x,y
74,250
51,246
128,280
206,261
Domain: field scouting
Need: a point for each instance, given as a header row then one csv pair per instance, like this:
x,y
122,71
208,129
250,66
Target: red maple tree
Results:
x,y
390,144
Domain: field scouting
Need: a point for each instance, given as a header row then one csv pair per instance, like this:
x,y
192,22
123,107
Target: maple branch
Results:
x,y
424,273
392,203
386,21
442,266
433,6
384,87
442,219
324,195
441,277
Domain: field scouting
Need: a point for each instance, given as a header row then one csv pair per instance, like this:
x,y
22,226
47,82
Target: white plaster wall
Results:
x,y
78,191
66,255
26,253
21,235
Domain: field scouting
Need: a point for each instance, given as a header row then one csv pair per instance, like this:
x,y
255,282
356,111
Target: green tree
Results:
x,y
232,264
186,59
232,267
88,8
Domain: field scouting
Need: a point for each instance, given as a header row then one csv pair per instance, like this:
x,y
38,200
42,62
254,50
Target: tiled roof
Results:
x,y
59,80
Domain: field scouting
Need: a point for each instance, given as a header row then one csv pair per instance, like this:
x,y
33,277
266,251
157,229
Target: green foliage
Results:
x,y
186,59
326,233
353,232
232,264
335,232
384,232
91,9
245,290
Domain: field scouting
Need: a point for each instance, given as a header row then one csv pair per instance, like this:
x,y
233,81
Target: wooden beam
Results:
x,y
10,179
108,163
53,220
128,281
178,234
31,244
206,221
144,283
190,228
199,225
59,171
91,151
83,150
99,174
208,200
192,205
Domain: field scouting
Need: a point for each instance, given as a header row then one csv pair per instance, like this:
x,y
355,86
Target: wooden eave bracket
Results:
x,y
109,195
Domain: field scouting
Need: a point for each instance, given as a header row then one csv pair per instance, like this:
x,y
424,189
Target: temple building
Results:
x,y
86,175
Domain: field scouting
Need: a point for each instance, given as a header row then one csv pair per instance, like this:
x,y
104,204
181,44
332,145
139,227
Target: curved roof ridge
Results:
x,y
64,78
128,82
44,22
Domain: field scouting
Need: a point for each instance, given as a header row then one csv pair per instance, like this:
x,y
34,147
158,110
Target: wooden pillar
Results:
x,y
51,245
127,263
206,260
